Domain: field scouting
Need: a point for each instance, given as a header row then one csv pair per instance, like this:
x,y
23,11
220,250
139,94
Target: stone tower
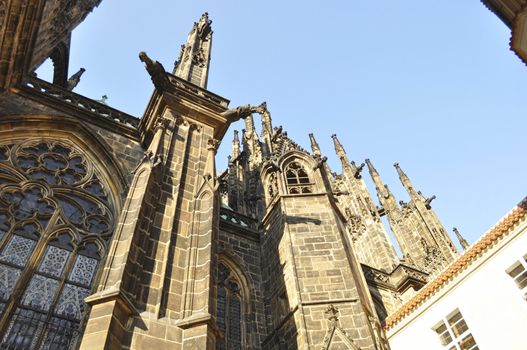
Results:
x,y
117,232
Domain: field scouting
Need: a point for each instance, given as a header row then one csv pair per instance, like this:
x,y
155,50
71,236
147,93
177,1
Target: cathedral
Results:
x,y
117,232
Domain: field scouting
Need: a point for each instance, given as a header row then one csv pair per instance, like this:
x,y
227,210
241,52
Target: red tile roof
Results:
x,y
501,229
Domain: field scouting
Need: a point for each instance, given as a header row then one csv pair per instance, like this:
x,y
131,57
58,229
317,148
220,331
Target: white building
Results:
x,y
478,302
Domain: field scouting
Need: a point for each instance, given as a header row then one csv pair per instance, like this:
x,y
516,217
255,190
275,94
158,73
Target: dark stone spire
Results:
x,y
194,58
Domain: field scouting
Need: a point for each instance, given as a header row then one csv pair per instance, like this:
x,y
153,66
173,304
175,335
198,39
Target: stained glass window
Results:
x,y
229,310
55,217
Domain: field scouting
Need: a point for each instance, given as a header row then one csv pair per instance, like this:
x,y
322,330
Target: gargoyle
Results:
x,y
74,80
428,201
320,162
358,170
240,112
156,70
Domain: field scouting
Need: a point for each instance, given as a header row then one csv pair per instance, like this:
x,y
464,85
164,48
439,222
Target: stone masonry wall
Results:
x,y
322,271
243,249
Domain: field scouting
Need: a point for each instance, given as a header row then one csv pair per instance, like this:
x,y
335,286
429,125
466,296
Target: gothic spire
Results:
x,y
194,58
314,145
346,164
341,153
235,145
267,123
251,143
249,125
461,239
405,180
382,189
267,129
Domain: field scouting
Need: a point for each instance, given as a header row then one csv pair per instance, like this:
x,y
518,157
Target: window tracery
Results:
x,y
55,219
297,179
229,309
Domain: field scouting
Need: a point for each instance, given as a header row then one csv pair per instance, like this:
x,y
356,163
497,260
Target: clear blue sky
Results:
x,y
429,84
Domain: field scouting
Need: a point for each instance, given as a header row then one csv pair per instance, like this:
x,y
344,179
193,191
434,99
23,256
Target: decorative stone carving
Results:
x,y
239,112
149,157
376,276
156,70
434,261
358,169
74,80
213,144
335,331
272,186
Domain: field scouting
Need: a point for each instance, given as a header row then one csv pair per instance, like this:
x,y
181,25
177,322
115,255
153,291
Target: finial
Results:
x,y
315,148
194,57
235,145
462,241
371,168
204,22
332,313
382,189
341,153
249,123
405,180
400,171
262,108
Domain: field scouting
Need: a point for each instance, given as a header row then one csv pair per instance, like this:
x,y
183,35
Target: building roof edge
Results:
x,y
502,228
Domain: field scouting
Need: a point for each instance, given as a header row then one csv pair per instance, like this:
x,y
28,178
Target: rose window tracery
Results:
x,y
55,220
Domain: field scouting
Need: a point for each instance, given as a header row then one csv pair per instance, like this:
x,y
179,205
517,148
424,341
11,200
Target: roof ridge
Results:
x,y
502,227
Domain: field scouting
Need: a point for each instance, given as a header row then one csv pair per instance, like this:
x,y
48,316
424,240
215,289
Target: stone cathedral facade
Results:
x,y
117,232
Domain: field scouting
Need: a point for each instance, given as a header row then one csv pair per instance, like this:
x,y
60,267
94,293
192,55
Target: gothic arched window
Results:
x,y
297,179
55,219
229,309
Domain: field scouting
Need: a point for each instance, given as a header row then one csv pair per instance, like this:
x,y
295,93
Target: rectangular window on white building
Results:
x,y
454,333
518,272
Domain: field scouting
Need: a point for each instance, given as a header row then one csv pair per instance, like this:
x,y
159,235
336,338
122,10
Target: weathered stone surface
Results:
x,y
278,252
